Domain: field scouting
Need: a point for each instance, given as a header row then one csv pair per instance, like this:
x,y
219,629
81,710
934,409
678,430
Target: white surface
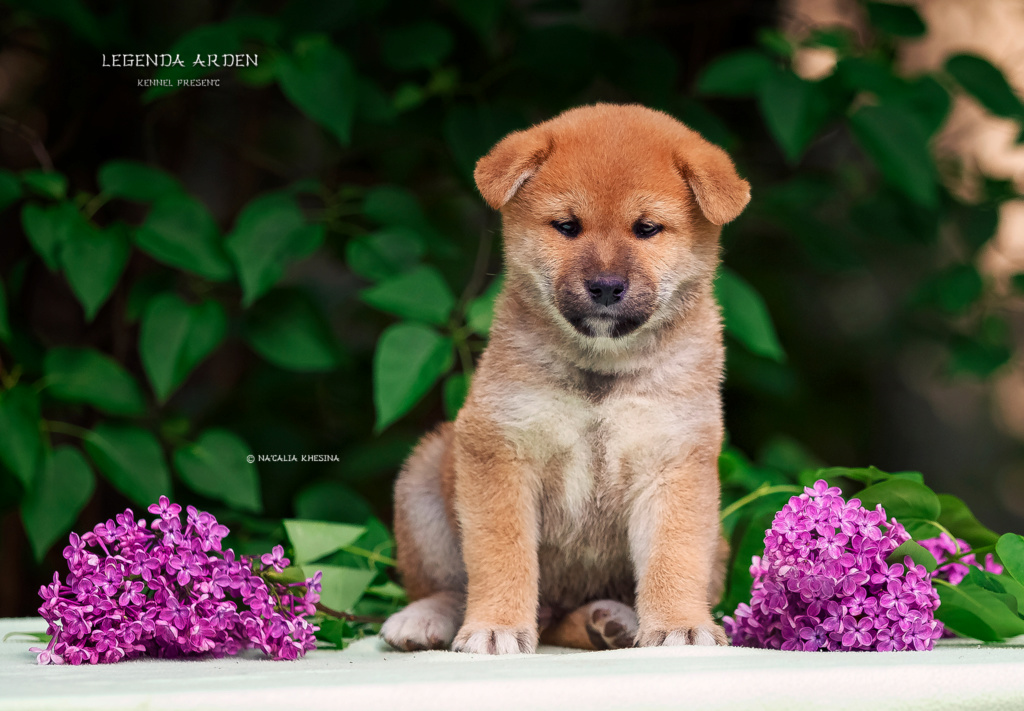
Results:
x,y
370,676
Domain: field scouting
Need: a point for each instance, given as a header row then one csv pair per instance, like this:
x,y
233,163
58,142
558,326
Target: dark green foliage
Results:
x,y
985,83
895,19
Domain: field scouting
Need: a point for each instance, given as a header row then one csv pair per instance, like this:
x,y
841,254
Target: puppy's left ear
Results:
x,y
707,169
512,162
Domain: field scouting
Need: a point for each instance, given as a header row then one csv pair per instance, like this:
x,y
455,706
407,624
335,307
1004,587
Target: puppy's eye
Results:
x,y
644,229
569,228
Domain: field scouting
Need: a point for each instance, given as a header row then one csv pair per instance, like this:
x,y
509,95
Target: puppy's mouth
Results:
x,y
604,324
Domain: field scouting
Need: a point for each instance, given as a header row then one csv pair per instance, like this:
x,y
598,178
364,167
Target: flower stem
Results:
x,y
761,491
960,556
373,556
368,619
956,542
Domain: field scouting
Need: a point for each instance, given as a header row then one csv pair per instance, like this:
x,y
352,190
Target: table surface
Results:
x,y
369,675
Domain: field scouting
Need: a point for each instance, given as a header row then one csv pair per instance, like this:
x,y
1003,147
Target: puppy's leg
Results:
x,y
674,540
602,624
429,558
498,517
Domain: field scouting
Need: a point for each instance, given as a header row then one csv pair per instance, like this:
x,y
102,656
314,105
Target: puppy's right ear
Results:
x,y
512,162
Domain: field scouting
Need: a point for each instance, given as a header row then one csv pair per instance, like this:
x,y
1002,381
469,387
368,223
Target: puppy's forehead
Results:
x,y
619,160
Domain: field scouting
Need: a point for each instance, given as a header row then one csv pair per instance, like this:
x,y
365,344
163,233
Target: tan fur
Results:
x,y
583,466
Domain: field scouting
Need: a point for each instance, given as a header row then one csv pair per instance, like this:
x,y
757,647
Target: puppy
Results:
x,y
575,498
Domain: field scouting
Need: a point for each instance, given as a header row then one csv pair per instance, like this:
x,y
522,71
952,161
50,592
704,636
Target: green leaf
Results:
x,y
10,189
5,322
61,490
131,459
384,254
866,476
794,110
409,359
902,499
332,501
918,553
417,295
928,100
341,586
988,607
898,144
94,261
423,45
481,15
313,540
394,206
334,632
1004,583
136,181
1010,549
958,520
180,232
288,329
48,229
920,528
746,316
738,74
961,614
480,312
986,83
456,387
953,290
389,590
83,375
175,337
49,184
893,19
320,81
21,444
983,352
269,234
216,466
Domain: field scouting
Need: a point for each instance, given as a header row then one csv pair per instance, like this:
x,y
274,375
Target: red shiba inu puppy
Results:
x,y
575,498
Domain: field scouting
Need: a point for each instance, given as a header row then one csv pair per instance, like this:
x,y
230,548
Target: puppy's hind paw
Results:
x,y
702,635
495,640
611,625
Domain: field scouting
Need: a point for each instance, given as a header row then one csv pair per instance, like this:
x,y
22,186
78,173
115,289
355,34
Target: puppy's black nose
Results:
x,y
606,290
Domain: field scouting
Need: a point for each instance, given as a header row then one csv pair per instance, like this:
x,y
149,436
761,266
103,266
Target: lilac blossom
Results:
x,y
943,548
171,591
824,584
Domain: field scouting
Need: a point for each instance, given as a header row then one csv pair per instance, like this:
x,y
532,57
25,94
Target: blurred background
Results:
x,y
296,262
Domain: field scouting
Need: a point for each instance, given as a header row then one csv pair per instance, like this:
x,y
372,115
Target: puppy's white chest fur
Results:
x,y
589,451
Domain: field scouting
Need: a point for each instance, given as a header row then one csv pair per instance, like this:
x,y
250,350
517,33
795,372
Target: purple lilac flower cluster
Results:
x,y
943,547
824,584
170,591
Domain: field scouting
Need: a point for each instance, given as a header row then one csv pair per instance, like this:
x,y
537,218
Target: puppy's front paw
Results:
x,y
495,640
424,624
706,634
